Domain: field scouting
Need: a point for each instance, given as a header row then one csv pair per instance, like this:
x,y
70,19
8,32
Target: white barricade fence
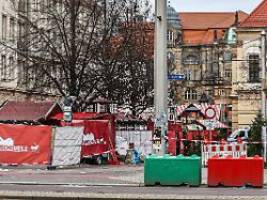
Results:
x,y
142,141
67,145
224,149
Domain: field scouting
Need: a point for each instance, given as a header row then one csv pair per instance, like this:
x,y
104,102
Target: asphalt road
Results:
x,y
123,192
105,182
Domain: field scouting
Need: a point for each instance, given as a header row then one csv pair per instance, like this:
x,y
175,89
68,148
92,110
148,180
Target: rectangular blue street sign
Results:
x,y
176,77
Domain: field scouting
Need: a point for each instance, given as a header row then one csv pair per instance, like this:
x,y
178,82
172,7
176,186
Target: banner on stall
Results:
x,y
21,144
97,137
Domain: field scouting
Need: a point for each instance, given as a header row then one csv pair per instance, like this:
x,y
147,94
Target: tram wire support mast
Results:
x,y
160,75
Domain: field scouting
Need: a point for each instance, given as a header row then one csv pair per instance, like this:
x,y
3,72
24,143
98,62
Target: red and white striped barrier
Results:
x,y
236,150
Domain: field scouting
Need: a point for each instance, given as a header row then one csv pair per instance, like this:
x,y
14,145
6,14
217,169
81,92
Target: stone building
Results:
x,y
8,35
11,66
246,83
204,55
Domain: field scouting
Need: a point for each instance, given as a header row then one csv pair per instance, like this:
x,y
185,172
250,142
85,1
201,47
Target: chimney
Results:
x,y
236,18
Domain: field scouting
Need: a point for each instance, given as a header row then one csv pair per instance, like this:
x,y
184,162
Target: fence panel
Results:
x,y
222,149
142,140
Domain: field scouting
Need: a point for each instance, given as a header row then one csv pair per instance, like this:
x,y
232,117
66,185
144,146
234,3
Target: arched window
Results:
x,y
191,60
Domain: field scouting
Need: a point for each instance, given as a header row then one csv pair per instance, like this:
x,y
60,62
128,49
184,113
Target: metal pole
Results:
x,y
263,94
263,59
160,76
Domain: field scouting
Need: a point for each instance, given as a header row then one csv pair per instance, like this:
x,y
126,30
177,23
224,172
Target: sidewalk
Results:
x,y
89,175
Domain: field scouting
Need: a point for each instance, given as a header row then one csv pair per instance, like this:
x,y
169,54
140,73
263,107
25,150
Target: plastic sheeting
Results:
x,y
67,146
142,141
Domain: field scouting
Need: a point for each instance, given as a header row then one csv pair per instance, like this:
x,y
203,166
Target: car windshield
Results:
x,y
234,134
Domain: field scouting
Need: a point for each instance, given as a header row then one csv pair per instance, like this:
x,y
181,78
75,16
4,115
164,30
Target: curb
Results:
x,y
99,184
74,184
91,196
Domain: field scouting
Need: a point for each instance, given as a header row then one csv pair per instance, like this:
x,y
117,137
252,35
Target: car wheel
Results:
x,y
99,160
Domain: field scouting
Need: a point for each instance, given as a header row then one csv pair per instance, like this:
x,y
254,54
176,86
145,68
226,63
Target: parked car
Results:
x,y
243,134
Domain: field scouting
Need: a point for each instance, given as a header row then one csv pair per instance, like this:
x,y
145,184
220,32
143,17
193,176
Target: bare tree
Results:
x,y
127,62
68,46
137,82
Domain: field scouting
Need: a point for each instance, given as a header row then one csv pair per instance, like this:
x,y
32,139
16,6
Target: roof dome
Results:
x,y
173,18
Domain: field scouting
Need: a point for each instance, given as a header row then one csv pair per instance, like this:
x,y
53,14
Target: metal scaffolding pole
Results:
x,y
160,76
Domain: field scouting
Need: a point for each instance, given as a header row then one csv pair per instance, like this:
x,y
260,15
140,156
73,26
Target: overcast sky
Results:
x,y
213,5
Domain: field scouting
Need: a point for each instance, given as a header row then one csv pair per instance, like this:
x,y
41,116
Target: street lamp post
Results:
x,y
160,75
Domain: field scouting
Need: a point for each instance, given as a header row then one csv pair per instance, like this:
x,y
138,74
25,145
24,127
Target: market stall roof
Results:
x,y
192,109
28,111
202,107
77,116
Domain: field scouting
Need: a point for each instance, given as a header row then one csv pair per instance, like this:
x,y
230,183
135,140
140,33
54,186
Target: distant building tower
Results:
x,y
173,18
174,27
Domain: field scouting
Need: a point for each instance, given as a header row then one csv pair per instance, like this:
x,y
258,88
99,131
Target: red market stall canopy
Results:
x,y
28,111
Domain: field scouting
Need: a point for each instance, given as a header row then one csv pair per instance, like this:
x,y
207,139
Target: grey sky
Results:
x,y
214,5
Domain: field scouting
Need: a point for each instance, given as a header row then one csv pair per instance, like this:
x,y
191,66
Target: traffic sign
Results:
x,y
210,113
176,77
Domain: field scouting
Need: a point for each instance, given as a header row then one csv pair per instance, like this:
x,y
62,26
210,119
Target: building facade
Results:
x,y
247,69
8,35
204,56
13,71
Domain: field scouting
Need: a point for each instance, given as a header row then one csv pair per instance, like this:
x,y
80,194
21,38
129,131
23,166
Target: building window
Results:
x,y
171,56
228,73
170,36
221,92
12,29
194,94
23,6
191,60
254,68
4,67
11,74
191,94
4,27
187,94
35,5
188,74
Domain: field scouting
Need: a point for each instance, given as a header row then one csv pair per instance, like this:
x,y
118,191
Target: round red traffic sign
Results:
x,y
210,113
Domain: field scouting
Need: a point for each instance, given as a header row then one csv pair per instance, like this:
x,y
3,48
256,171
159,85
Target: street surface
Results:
x,y
106,182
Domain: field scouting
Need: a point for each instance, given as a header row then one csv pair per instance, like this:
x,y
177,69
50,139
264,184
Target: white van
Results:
x,y
239,133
